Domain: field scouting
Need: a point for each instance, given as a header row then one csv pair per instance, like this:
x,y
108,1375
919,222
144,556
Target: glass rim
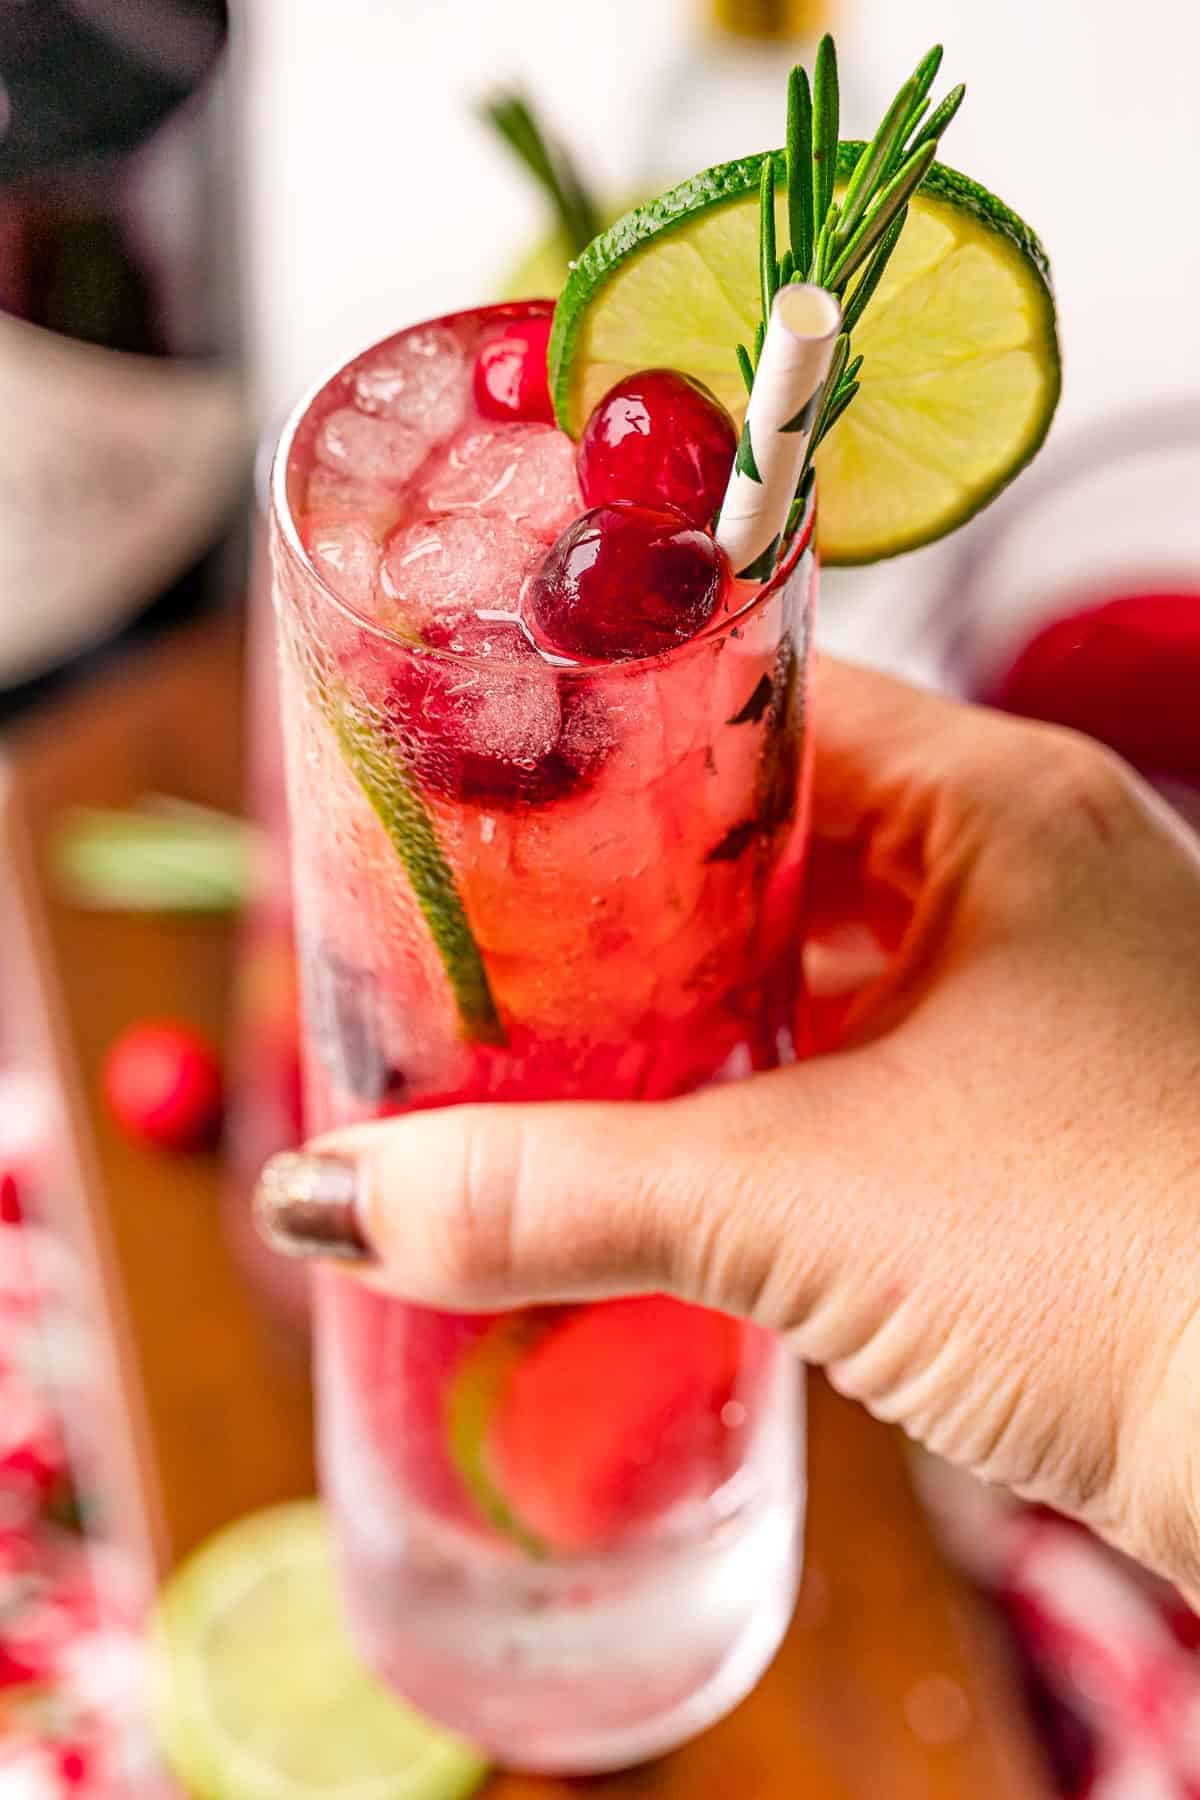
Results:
x,y
283,517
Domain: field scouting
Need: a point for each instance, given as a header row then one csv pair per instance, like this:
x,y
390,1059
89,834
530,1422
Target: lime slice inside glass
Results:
x,y
574,1427
960,375
258,1694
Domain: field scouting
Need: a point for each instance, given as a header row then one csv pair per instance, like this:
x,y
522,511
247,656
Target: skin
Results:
x,y
980,1209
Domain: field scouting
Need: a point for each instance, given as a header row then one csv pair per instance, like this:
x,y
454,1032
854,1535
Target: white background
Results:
x,y
374,197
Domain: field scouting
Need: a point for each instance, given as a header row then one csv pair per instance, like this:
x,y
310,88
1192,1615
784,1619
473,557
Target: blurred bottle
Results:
x,y
120,459
724,94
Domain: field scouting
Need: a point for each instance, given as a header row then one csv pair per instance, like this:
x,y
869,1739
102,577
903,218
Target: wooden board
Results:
x,y
891,1682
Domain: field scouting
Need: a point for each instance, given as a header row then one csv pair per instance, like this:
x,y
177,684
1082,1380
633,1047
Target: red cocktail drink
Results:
x,y
572,1532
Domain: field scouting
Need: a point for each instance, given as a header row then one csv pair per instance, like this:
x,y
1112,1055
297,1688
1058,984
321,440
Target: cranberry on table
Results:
x,y
162,1083
659,438
511,380
625,581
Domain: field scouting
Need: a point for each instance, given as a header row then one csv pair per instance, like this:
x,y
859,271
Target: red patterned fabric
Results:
x,y
1112,1651
72,1610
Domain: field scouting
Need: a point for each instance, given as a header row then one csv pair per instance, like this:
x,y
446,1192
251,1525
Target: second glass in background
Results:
x,y
1078,599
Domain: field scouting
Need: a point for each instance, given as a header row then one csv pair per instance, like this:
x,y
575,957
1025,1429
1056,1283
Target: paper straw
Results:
x,y
780,416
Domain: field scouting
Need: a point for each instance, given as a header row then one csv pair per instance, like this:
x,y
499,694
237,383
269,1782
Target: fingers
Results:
x,y
480,1206
909,791
477,1207
880,744
802,1199
893,762
948,1216
931,817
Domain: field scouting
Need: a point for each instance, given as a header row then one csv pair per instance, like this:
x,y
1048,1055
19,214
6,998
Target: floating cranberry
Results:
x,y
491,722
511,381
659,438
625,581
162,1082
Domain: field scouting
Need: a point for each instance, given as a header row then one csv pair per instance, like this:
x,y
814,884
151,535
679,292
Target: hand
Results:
x,y
982,1214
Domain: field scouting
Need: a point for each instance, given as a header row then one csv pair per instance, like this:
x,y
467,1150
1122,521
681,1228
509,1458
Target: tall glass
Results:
x,y
573,1532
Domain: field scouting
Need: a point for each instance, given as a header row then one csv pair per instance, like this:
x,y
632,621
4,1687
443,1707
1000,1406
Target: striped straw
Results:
x,y
780,416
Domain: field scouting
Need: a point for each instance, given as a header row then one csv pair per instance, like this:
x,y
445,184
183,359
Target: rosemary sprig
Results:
x,y
856,303
799,158
940,118
892,200
549,162
768,262
826,116
843,246
923,78
877,158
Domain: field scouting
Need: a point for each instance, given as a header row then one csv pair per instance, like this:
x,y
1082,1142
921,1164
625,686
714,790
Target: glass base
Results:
x,y
582,1669
580,1666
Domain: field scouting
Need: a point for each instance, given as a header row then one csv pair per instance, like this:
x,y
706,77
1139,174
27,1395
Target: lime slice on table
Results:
x,y
960,375
258,1694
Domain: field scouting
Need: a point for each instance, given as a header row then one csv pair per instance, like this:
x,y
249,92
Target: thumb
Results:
x,y
707,1196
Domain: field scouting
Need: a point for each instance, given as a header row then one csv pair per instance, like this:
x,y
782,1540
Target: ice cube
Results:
x,y
505,701
587,729
479,715
331,494
525,473
445,567
370,450
422,379
346,553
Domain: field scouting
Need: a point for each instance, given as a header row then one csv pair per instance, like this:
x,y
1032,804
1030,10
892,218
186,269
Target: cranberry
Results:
x,y
162,1082
511,381
509,736
659,438
625,581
